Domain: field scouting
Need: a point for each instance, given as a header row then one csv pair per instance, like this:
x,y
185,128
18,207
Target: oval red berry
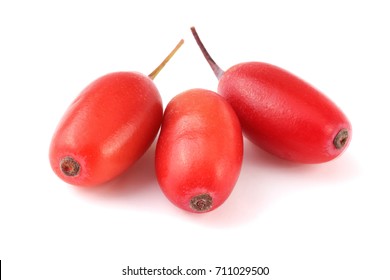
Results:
x,y
106,129
199,151
285,115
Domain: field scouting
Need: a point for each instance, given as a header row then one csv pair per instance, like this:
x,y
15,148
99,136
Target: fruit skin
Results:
x,y
283,114
199,150
107,127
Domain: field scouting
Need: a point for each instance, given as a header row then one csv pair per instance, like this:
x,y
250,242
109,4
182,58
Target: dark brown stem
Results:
x,y
69,166
165,61
201,202
341,139
214,66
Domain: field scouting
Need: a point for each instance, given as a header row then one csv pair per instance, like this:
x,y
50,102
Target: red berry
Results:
x,y
107,128
281,113
199,150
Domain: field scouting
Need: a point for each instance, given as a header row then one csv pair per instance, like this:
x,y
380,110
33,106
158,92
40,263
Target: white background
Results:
x,y
327,221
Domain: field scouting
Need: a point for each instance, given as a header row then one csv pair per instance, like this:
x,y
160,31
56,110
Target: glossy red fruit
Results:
x,y
199,150
281,113
107,128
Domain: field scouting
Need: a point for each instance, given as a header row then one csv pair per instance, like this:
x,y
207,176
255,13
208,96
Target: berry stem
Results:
x,y
214,66
165,61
